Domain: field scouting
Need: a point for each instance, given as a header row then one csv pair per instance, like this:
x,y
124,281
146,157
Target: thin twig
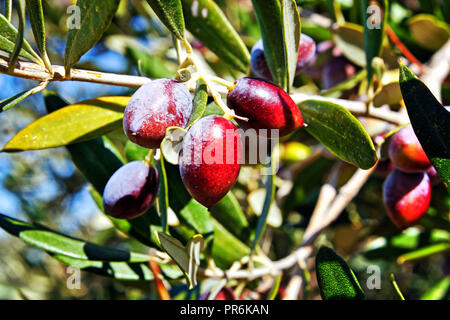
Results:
x,y
37,72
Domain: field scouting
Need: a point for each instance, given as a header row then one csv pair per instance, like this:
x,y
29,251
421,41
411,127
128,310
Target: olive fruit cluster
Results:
x,y
407,189
211,153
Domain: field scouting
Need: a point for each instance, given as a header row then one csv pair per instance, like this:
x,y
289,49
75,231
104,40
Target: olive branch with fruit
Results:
x,y
192,180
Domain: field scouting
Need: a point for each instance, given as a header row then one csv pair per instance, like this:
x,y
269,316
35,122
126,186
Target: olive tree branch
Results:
x,y
37,72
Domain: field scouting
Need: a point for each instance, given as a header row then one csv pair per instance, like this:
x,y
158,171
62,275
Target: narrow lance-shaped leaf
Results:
x,y
374,13
171,14
20,5
124,271
36,16
12,101
208,23
340,132
270,196
270,21
8,36
292,32
83,121
56,243
95,18
335,278
430,121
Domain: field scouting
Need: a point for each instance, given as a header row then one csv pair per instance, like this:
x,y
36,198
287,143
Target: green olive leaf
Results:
x,y
10,102
335,278
428,31
96,16
270,20
340,132
374,21
349,38
200,102
36,16
440,291
430,121
8,36
292,32
83,121
57,243
206,21
20,5
171,14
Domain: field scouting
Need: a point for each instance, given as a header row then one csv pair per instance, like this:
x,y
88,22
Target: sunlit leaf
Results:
x,y
340,132
374,32
36,16
171,14
95,18
270,21
428,31
292,32
8,36
57,243
206,21
80,122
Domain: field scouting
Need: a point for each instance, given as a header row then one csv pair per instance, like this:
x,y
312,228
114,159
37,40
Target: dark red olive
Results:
x,y
258,62
211,159
153,108
266,106
406,197
131,190
337,70
406,152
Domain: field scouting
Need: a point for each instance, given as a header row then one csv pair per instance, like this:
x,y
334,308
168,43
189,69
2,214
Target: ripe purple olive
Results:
x,y
406,152
337,70
153,108
131,190
258,62
210,160
406,197
266,106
